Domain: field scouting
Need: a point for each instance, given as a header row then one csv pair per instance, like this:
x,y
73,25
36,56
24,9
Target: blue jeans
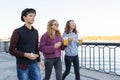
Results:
x,y
31,73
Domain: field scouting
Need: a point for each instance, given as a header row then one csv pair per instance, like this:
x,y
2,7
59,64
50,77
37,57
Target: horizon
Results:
x,y
88,38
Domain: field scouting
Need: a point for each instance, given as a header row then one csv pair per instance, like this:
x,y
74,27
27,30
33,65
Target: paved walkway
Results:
x,y
8,71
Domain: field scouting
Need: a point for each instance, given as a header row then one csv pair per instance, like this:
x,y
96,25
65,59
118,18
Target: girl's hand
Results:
x,y
70,39
57,45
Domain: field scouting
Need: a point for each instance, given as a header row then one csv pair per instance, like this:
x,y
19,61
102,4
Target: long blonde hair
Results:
x,y
49,29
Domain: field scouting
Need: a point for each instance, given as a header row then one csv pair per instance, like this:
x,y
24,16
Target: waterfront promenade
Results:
x,y
8,71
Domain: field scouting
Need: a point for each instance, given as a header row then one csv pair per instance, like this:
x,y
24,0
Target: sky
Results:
x,y
92,17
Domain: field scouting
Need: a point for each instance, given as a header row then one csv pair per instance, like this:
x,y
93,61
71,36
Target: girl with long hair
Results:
x,y
51,46
71,51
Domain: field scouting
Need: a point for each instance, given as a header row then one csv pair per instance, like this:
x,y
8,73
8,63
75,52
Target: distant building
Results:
x,y
4,45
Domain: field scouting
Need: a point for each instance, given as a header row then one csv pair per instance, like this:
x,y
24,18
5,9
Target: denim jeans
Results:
x,y
31,73
68,61
49,63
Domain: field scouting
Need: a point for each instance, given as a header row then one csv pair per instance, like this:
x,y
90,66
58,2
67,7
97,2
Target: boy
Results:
x,y
24,46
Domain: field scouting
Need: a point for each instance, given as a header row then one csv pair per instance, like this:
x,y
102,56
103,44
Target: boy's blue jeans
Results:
x,y
31,73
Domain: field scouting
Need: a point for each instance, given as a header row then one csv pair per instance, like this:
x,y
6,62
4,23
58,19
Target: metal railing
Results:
x,y
102,57
97,56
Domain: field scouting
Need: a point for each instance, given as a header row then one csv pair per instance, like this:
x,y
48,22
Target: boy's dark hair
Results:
x,y
26,11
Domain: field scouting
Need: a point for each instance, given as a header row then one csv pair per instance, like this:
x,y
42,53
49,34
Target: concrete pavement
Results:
x,y
8,71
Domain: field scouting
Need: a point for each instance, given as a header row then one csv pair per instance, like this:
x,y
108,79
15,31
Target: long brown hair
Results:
x,y
67,27
49,29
